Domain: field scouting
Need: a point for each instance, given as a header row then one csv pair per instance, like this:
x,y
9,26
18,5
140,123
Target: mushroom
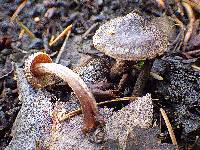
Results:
x,y
40,71
133,38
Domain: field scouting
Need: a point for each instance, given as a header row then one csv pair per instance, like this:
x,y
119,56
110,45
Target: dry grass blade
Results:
x,y
21,33
61,35
52,38
193,52
156,76
195,67
21,6
89,30
63,47
71,114
26,30
195,142
169,127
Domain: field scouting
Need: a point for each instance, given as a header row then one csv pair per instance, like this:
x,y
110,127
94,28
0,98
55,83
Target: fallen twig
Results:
x,y
142,78
122,81
45,40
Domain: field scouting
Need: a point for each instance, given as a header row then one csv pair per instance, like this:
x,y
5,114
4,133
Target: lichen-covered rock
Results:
x,y
133,38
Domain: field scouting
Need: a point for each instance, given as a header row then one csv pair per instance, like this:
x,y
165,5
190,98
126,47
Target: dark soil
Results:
x,y
178,93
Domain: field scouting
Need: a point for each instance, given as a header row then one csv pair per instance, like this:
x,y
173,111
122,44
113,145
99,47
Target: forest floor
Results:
x,y
27,27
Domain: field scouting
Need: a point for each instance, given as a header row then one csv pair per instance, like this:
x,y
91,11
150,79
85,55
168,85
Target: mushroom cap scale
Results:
x,y
133,38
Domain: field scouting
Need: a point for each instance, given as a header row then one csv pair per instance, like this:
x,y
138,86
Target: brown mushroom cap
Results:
x,y
32,77
133,38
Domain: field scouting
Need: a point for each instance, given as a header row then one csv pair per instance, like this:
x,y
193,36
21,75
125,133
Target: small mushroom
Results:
x,y
133,38
40,71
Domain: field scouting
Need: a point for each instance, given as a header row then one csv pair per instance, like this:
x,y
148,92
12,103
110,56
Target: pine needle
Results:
x,y
78,111
19,8
26,30
60,36
169,127
62,48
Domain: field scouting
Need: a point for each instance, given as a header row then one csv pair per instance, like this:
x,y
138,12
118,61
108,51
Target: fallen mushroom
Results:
x,y
40,71
133,38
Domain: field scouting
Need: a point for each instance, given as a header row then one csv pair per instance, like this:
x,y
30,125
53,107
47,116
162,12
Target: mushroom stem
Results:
x,y
91,116
119,68
142,78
